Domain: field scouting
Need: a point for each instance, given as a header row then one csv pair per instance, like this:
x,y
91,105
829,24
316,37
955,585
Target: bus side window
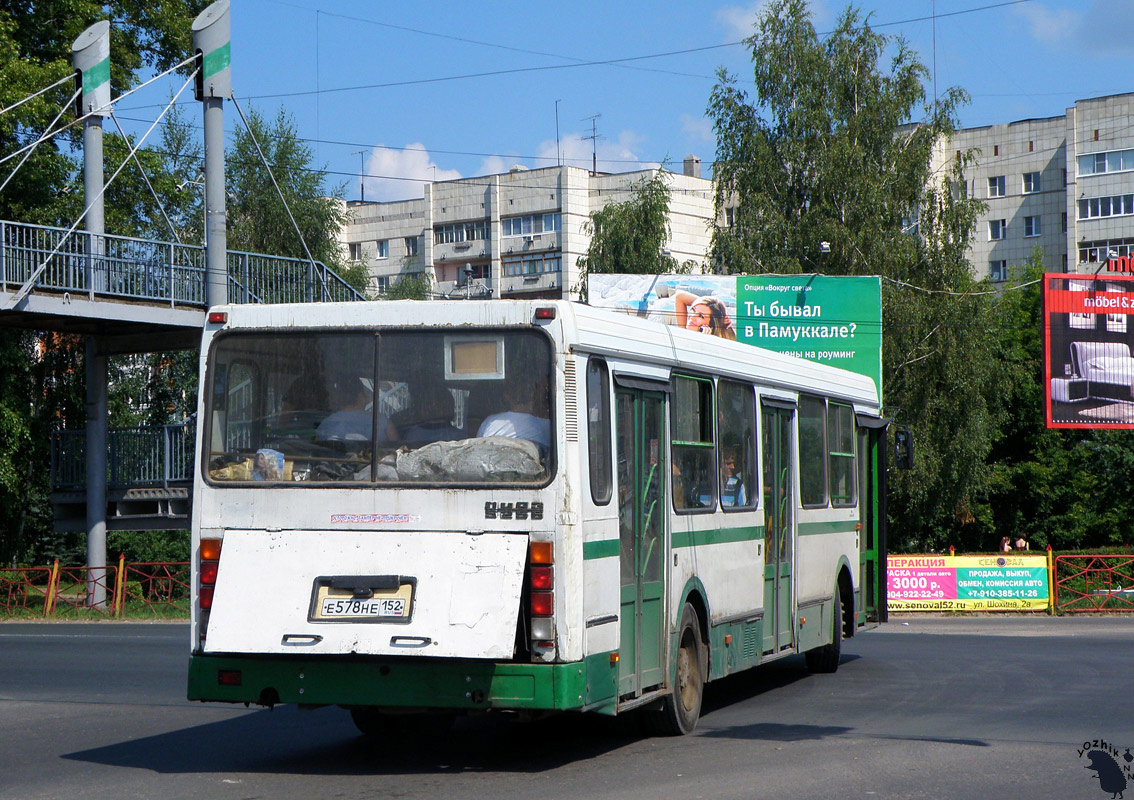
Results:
x,y
598,431
736,412
841,458
813,452
694,470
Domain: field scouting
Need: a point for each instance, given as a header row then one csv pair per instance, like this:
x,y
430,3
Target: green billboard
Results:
x,y
830,319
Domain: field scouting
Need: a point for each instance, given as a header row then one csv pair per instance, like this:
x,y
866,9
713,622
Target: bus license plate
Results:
x,y
392,602
374,607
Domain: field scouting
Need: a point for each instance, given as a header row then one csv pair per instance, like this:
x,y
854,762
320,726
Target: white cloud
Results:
x,y
698,129
493,165
739,21
393,174
1050,25
613,156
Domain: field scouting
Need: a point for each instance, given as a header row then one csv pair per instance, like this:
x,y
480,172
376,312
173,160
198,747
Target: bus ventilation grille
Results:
x,y
570,396
751,638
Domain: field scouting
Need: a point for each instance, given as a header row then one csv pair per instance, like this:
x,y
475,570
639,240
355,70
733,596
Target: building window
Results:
x,y
531,264
461,232
355,251
411,245
383,249
1114,206
1031,226
1096,252
996,186
1112,161
383,282
530,224
1063,221
998,270
1032,182
997,228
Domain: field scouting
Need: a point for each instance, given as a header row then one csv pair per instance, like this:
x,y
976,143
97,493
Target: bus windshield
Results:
x,y
435,408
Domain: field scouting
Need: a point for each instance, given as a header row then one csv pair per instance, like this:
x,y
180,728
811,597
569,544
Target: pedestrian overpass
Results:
x,y
129,295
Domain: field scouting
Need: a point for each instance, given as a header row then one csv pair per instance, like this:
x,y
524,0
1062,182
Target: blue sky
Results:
x,y
415,91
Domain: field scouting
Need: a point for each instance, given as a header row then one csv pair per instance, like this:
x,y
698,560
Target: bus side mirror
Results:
x,y
903,448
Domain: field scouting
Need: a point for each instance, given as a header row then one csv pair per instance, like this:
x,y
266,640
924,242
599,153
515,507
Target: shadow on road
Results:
x,y
325,741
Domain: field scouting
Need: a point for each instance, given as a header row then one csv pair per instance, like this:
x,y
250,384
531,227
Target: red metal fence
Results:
x,y
1094,583
156,589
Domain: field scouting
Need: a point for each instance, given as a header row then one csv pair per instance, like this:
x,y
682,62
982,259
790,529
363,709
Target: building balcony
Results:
x,y
456,251
515,245
478,289
513,285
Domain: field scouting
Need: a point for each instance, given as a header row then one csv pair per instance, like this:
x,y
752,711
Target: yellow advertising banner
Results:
x,y
999,582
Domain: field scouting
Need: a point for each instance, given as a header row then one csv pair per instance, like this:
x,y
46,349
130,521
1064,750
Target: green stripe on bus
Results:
x,y
717,536
812,528
96,76
217,61
606,548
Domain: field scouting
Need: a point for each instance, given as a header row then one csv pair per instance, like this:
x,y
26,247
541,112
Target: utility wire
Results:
x,y
25,290
299,233
31,150
146,178
19,103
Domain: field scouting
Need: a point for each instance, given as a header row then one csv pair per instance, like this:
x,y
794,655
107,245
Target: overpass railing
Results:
x,y
121,267
155,456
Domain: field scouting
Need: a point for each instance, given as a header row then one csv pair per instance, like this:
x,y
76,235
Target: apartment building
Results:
x,y
515,235
1062,184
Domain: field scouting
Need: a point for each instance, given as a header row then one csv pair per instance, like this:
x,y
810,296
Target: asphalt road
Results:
x,y
920,708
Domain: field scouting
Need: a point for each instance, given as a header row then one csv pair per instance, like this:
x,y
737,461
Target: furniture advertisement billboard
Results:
x,y
1087,335
835,320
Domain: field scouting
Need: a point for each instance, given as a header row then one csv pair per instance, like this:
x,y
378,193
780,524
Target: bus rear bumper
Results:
x,y
409,684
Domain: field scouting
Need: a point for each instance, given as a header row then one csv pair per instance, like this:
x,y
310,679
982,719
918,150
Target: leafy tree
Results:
x,y
412,286
259,222
630,236
1066,488
828,153
41,374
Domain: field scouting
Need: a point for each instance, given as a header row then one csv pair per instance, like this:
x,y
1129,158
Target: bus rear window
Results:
x,y
397,407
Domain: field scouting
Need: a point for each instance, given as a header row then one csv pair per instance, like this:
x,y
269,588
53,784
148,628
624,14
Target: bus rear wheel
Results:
x,y
826,658
682,708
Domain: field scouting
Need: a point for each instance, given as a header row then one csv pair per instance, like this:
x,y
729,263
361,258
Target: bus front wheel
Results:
x,y
682,708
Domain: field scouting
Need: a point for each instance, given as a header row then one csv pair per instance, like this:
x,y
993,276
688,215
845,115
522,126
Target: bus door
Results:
x,y
639,428
779,527
870,546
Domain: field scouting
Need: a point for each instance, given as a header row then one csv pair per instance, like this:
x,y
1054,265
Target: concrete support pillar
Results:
x,y
211,41
96,471
91,59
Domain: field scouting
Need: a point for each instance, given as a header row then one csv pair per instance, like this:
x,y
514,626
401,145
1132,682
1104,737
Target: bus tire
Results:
x,y
826,658
682,707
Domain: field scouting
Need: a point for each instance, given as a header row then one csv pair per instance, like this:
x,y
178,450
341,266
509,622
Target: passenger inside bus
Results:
x,y
733,491
354,418
524,402
430,417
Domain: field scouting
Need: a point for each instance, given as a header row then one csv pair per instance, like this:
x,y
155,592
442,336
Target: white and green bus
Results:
x,y
416,510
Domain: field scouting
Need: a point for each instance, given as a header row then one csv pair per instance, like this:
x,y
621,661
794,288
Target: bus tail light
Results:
x,y
541,585
543,604
210,563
